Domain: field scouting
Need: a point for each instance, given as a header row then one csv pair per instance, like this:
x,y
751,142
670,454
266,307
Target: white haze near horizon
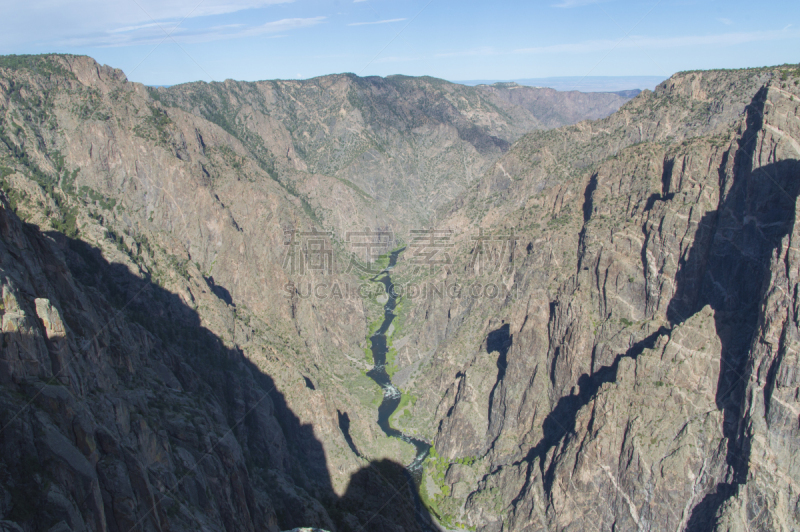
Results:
x,y
165,42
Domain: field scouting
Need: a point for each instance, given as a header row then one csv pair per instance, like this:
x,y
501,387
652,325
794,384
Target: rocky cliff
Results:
x,y
628,361
407,145
156,373
639,373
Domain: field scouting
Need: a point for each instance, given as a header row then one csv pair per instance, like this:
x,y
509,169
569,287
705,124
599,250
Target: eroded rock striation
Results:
x,y
155,371
640,374
631,368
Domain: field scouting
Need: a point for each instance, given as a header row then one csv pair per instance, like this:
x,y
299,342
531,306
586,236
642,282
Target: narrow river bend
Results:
x,y
391,395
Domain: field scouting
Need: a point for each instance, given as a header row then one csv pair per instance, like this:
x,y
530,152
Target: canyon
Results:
x,y
627,362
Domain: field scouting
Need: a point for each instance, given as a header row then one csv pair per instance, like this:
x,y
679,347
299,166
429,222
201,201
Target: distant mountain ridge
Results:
x,y
582,83
164,367
396,138
167,210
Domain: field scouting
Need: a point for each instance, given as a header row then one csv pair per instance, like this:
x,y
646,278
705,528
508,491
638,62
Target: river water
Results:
x,y
391,395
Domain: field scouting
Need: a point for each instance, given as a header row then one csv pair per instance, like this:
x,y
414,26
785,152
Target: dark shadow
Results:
x,y
499,341
344,426
380,496
651,201
560,423
666,176
726,268
666,183
588,209
588,198
219,291
368,491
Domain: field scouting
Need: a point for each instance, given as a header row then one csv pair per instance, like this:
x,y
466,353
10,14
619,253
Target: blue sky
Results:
x,y
173,41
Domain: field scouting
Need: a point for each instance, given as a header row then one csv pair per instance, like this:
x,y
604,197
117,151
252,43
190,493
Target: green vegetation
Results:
x,y
66,222
20,156
154,127
377,309
231,157
64,217
380,264
179,266
435,468
391,355
88,193
12,194
562,220
405,400
367,391
117,240
90,106
368,356
400,316
787,73
402,415
355,187
43,65
58,186
373,327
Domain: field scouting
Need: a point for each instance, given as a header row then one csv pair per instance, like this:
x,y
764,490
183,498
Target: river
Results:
x,y
391,395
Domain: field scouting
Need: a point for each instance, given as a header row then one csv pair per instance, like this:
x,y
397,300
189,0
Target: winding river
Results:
x,y
391,395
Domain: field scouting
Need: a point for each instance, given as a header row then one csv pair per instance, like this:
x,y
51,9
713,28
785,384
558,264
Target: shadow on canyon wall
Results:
x,y
728,268
500,341
379,496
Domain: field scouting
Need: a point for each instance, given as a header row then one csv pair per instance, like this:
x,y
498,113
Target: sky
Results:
x,y
164,42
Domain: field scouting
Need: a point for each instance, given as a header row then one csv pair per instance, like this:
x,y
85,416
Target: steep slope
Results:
x,y
560,108
685,106
177,208
627,361
395,140
134,416
635,372
105,426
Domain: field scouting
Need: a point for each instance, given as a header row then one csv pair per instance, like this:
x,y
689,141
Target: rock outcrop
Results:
x,y
155,371
406,145
628,361
639,374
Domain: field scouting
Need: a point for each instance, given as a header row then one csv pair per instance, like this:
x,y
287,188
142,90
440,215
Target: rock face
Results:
x,y
560,108
640,374
634,366
406,145
137,417
105,426
154,371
